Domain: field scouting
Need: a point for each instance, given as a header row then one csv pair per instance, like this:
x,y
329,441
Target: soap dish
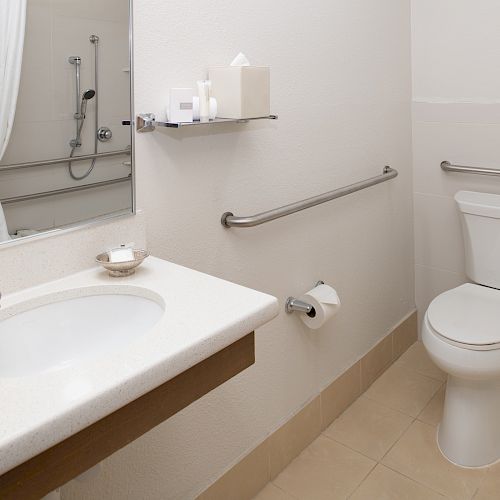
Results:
x,y
122,269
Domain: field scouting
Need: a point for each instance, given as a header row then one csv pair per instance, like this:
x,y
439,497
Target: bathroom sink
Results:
x,y
62,333
77,349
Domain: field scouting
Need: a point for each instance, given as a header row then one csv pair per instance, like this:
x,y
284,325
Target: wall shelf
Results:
x,y
147,122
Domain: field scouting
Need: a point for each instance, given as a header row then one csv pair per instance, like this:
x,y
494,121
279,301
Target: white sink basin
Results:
x,y
62,333
78,348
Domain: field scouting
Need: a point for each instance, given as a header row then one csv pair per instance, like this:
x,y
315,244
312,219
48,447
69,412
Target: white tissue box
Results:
x,y
241,91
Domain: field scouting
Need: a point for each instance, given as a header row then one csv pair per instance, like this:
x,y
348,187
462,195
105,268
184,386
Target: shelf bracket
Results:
x,y
145,122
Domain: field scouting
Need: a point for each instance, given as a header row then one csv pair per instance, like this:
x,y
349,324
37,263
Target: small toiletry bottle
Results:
x,y
204,94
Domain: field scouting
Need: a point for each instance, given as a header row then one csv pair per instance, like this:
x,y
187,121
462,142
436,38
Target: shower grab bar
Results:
x,y
449,167
54,192
230,220
44,163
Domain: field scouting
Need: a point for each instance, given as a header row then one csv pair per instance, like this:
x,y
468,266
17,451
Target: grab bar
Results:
x,y
449,167
44,163
54,192
230,220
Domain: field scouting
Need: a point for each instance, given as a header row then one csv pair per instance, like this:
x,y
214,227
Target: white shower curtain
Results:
x,y
12,27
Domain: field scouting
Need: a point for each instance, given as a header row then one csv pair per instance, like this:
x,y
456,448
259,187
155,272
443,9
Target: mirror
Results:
x,y
65,157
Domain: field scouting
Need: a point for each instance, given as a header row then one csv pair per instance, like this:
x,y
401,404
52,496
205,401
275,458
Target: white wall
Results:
x,y
44,123
456,117
341,84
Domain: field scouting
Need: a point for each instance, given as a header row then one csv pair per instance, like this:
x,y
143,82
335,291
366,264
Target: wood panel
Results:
x,y
76,454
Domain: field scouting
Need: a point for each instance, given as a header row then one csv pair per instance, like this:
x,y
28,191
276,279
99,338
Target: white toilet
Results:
x,y
461,332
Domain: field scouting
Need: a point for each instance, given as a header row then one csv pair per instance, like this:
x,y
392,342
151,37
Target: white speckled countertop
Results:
x,y
202,315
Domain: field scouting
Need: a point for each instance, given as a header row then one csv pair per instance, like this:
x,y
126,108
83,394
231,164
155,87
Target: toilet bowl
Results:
x,y
461,333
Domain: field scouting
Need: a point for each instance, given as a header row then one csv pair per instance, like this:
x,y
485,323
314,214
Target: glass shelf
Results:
x,y
147,122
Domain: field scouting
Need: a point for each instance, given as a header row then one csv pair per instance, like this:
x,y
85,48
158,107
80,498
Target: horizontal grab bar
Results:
x,y
230,220
55,161
54,192
449,167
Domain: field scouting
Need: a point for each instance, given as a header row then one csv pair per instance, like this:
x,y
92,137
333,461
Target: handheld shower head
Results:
x,y
88,94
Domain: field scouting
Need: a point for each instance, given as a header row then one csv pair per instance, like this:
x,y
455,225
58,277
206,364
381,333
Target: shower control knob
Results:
x,y
104,134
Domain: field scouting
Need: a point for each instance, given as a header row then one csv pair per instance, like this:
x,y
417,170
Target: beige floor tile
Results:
x,y
340,394
369,427
403,390
244,480
417,456
288,441
490,487
375,362
433,412
325,470
416,358
385,484
271,492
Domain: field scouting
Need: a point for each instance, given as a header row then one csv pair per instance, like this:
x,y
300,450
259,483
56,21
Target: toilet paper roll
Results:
x,y
326,303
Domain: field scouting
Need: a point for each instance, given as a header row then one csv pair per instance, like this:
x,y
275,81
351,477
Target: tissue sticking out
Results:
x,y
240,60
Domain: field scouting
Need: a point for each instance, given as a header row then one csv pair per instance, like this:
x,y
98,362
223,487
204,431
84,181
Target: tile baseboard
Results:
x,y
246,478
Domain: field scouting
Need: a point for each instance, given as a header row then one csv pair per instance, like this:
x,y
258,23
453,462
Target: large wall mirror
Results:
x,y
65,157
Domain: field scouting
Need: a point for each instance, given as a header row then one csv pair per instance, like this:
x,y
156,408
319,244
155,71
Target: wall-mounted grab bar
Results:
x,y
449,167
230,220
44,163
54,192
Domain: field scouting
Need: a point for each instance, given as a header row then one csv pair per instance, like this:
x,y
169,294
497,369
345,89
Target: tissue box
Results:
x,y
241,91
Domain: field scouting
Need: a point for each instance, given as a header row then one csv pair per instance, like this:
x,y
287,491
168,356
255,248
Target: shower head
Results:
x,y
88,94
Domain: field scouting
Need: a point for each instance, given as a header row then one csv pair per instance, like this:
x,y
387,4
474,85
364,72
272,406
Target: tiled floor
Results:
x,y
383,447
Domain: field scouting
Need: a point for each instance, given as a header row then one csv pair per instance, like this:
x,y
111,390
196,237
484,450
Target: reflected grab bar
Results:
x,y
230,220
56,161
449,167
55,192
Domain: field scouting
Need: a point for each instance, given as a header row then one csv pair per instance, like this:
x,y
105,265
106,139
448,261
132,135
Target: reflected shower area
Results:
x,y
65,156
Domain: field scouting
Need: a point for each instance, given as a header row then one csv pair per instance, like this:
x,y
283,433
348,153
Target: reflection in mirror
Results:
x,y
65,157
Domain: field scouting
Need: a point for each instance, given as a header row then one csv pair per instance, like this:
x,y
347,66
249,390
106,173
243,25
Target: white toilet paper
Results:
x,y
326,303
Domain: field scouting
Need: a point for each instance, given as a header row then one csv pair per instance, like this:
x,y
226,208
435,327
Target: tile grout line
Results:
x,y
362,481
415,481
281,489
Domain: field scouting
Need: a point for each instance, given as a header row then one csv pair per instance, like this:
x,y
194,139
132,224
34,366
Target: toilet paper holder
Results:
x,y
295,305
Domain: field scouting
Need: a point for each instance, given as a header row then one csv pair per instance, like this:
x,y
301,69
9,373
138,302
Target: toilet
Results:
x,y
461,332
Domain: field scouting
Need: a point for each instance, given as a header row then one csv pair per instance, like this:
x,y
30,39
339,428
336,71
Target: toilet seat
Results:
x,y
467,316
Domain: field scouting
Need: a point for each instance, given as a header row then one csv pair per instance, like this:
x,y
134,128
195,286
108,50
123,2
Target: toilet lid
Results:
x,y
468,314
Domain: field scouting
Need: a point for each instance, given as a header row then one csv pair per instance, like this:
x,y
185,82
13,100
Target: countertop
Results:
x,y
203,315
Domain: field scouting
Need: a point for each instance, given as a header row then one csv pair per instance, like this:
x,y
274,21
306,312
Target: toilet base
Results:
x,y
469,434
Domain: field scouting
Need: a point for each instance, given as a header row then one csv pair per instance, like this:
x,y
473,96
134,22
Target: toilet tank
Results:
x,y
480,213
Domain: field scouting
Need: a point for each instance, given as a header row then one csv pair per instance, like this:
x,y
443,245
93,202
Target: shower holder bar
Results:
x,y
230,220
72,159
449,167
146,122
55,192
